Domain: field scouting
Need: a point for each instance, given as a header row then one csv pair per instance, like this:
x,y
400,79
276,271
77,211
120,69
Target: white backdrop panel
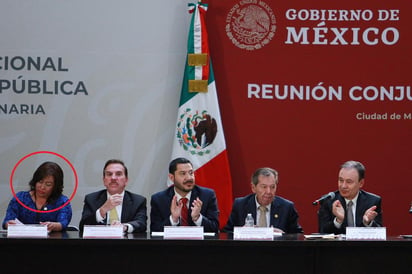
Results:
x,y
130,57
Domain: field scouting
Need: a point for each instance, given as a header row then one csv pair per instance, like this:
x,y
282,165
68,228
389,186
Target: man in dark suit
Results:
x,y
184,202
267,209
334,215
105,206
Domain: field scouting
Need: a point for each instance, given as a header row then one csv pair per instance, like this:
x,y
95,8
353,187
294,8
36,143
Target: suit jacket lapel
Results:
x,y
170,192
193,196
251,206
360,204
274,213
125,206
102,198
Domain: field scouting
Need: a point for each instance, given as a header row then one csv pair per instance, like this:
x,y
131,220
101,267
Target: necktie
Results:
x,y
113,215
184,214
349,211
262,218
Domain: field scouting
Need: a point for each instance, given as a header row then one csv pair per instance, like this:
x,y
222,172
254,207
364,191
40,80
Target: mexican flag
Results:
x,y
199,133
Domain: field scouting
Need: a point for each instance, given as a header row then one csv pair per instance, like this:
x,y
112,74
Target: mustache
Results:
x,y
188,181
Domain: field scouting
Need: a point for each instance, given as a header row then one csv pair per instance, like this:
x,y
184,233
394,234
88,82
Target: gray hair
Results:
x,y
356,165
264,171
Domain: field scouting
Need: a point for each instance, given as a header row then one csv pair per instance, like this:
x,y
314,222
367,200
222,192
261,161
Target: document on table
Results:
x,y
18,222
321,236
20,230
161,233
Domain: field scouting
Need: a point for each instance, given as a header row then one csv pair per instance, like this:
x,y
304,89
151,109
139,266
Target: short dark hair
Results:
x,y
264,171
49,169
115,161
356,165
173,164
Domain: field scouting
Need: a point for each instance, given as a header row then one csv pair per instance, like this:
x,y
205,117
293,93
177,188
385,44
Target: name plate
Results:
x,y
365,233
252,233
183,232
103,231
31,231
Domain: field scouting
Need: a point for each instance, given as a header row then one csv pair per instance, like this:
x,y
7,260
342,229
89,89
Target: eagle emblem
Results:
x,y
196,131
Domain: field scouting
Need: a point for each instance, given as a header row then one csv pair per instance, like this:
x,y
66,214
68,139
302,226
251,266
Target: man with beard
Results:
x,y
267,209
115,205
184,203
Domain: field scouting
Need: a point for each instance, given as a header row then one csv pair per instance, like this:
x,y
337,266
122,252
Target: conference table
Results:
x,y
69,252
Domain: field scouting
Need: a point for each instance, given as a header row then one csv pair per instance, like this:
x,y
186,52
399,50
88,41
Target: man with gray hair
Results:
x,y
351,206
267,209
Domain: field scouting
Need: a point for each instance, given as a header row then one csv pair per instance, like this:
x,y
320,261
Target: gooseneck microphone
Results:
x,y
330,195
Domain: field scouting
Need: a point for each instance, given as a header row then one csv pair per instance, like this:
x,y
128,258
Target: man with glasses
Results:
x,y
115,205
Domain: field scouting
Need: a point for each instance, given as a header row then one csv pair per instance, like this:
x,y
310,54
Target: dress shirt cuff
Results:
x,y
369,225
99,217
199,220
130,228
173,223
335,222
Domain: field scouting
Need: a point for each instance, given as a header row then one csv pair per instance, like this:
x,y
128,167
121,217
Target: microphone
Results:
x,y
410,209
330,195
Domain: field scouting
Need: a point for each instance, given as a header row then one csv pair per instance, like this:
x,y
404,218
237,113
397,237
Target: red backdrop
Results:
x,y
307,139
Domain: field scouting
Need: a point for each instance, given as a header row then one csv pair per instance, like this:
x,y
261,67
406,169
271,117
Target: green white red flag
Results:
x,y
199,133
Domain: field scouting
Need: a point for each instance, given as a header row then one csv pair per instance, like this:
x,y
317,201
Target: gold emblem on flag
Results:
x,y
197,59
198,85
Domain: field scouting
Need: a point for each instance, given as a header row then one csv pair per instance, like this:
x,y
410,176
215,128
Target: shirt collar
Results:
x,y
180,197
121,194
354,200
258,205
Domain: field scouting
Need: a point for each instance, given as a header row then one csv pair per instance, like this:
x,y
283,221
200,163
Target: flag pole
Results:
x,y
199,132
